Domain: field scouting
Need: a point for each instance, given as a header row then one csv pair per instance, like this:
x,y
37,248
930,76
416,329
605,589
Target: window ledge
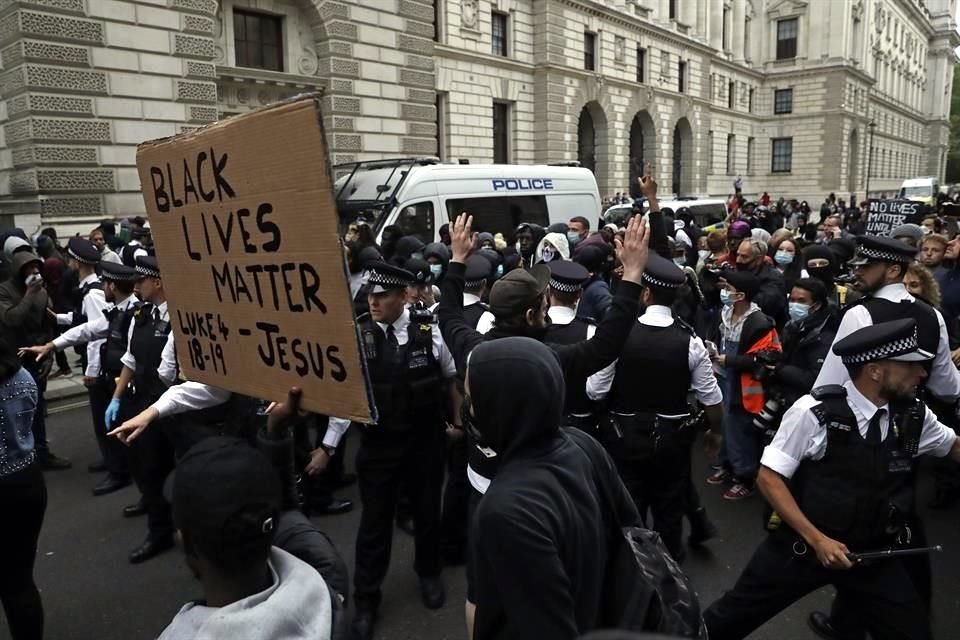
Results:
x,y
263,76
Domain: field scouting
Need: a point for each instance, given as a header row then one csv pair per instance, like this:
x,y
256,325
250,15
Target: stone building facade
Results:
x,y
782,92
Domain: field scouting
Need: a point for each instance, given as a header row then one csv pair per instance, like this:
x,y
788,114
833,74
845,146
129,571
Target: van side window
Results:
x,y
502,214
417,220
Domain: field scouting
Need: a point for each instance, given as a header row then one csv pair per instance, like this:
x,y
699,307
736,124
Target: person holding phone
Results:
x,y
24,321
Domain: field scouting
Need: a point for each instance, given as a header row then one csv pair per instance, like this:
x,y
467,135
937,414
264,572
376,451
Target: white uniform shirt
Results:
x,y
336,427
167,370
801,437
189,396
486,318
94,304
944,380
702,381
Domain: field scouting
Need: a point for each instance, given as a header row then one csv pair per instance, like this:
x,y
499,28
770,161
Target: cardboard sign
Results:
x,y
245,227
886,215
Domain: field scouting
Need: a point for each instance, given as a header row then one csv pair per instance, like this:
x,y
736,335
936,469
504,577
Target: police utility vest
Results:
x,y
407,386
653,373
573,333
115,344
473,312
928,327
146,344
859,493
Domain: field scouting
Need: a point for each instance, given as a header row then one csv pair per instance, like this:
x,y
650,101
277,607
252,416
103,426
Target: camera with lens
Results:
x,y
773,409
421,314
845,278
764,361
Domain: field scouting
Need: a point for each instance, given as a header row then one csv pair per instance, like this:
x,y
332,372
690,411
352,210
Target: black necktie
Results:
x,y
393,346
874,435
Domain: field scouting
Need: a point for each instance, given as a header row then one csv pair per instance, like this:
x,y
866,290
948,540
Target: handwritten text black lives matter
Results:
x,y
212,222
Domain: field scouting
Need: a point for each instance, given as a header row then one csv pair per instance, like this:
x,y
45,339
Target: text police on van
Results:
x,y
522,184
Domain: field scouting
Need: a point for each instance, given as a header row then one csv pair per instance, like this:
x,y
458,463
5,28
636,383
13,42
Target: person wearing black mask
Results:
x,y
540,523
596,297
821,263
771,296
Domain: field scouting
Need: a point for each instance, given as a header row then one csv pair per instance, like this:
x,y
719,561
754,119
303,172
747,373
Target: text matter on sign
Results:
x,y
245,226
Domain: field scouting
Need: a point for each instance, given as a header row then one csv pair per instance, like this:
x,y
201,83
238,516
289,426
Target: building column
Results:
x,y
715,24
736,43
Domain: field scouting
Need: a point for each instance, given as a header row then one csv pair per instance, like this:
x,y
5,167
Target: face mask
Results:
x,y
703,254
680,261
548,254
726,297
799,311
821,273
573,238
499,270
33,278
436,270
469,422
783,258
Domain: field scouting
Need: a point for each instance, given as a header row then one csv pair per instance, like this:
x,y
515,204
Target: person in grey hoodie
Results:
x,y
226,503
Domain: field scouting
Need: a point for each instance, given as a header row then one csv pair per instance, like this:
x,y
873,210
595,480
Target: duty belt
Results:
x,y
637,436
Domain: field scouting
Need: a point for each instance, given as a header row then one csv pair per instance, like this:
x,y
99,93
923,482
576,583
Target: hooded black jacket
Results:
x,y
538,535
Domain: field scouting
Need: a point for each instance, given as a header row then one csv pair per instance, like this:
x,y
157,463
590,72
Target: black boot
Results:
x,y
150,548
701,528
363,623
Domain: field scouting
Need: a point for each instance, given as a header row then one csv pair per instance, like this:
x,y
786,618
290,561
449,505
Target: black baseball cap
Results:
x,y
518,290
225,494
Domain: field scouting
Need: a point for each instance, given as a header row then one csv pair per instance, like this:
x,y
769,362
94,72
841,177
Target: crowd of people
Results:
x,y
537,389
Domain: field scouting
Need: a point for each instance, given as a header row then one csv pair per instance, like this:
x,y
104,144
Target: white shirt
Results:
x,y
94,304
801,437
702,380
167,370
565,315
486,318
336,427
944,380
356,280
189,396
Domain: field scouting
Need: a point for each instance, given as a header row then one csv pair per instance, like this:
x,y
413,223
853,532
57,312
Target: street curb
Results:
x,y
57,391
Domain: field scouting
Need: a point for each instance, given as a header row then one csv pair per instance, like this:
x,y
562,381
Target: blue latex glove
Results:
x,y
111,415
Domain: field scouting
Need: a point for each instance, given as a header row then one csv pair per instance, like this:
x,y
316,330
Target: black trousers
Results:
x,y
386,461
23,498
882,593
844,615
152,457
659,486
454,523
114,452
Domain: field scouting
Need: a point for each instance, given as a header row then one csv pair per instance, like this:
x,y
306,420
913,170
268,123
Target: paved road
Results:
x,y
90,592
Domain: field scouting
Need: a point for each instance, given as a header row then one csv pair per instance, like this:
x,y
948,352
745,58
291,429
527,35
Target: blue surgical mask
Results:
x,y
680,261
573,238
798,310
726,297
436,270
783,258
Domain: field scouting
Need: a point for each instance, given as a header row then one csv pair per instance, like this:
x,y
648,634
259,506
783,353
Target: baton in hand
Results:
x,y
892,553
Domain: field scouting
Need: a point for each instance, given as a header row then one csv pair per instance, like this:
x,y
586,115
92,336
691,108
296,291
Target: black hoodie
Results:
x,y
538,536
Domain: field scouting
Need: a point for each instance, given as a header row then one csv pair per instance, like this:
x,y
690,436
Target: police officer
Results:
x,y
475,310
566,327
109,330
89,302
879,268
149,365
646,390
408,364
839,472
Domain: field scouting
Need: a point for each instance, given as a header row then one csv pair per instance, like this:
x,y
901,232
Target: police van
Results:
x,y
704,211
420,195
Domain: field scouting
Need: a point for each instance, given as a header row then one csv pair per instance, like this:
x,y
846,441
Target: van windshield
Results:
x,y
916,192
